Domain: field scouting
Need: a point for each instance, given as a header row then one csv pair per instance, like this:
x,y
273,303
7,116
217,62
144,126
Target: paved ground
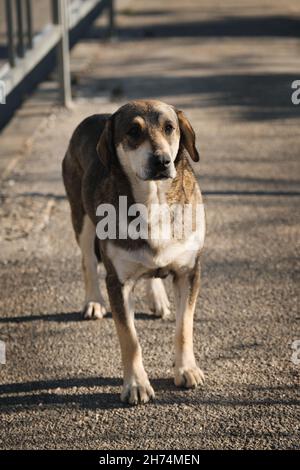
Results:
x,y
230,68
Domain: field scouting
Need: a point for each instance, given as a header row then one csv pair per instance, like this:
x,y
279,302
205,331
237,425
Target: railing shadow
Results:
x,y
254,97
230,27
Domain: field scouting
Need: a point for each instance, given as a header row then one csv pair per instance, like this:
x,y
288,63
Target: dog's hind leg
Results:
x,y
85,233
157,297
94,307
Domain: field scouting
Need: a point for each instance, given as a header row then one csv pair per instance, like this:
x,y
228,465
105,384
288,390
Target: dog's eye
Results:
x,y
169,129
134,132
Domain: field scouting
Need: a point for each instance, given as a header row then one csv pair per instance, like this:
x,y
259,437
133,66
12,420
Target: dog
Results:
x,y
140,152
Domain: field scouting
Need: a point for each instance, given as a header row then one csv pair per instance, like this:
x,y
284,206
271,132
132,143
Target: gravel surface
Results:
x,y
230,66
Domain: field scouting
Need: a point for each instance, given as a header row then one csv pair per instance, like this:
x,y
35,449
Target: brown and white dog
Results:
x,y
139,152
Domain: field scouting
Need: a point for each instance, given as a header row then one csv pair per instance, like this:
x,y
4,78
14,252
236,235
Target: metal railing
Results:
x,y
26,50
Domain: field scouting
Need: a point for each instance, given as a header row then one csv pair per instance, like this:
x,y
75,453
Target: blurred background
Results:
x,y
230,66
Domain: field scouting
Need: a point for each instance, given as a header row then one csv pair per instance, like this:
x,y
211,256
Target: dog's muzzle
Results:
x,y
159,167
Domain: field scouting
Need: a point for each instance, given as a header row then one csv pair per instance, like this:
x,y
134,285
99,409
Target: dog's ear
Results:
x,y
105,146
187,135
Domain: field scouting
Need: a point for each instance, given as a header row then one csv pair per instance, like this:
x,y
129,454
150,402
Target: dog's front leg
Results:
x,y
136,387
186,286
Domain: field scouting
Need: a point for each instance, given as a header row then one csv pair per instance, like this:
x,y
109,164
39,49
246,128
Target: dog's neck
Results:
x,y
149,192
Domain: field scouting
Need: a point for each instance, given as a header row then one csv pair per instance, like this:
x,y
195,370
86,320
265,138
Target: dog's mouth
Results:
x,y
157,176
162,176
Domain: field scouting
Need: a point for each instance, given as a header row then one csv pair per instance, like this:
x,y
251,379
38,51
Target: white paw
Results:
x,y
161,307
93,311
157,298
137,390
188,377
160,304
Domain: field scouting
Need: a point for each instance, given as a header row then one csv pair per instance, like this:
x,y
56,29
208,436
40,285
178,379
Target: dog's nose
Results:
x,y
162,162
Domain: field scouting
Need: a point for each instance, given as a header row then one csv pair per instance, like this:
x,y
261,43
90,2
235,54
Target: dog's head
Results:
x,y
146,137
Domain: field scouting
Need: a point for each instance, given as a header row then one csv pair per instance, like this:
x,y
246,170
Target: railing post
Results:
x,y
60,17
29,23
111,17
54,4
20,32
10,33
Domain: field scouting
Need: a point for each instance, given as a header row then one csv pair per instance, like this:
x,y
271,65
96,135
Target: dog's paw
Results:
x,y
158,299
160,305
189,377
137,391
93,311
161,308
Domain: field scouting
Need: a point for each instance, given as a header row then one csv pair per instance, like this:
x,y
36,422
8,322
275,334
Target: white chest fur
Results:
x,y
172,254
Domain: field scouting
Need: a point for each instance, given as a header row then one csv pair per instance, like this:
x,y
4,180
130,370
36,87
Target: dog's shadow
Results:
x,y
57,392
64,317
64,392
46,317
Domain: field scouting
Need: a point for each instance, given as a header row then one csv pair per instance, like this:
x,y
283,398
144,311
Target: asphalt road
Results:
x,y
230,67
